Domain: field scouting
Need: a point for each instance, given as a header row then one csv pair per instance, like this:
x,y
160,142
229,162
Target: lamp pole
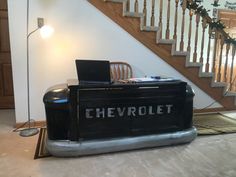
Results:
x,y
29,131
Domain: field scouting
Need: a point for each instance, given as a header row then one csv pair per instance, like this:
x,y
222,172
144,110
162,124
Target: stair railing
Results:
x,y
188,24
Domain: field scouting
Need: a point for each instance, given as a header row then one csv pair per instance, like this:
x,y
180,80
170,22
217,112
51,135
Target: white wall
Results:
x,y
81,31
208,5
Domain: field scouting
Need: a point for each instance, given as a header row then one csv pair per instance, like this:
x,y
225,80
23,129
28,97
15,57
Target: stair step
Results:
x,y
192,64
230,93
165,41
219,84
205,74
149,28
133,14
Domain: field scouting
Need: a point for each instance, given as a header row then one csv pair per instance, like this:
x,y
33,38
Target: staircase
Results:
x,y
205,55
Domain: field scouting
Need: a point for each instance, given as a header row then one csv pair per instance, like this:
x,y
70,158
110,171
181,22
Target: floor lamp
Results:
x,y
30,131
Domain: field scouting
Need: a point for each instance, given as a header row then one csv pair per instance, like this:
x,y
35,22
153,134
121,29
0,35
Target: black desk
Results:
x,y
94,112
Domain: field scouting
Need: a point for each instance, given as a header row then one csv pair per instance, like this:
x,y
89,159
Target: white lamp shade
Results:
x,y
46,31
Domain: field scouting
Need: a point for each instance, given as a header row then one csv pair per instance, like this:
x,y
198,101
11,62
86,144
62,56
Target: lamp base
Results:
x,y
29,132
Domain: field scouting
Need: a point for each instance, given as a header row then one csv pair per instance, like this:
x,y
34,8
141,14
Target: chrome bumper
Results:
x,y
66,148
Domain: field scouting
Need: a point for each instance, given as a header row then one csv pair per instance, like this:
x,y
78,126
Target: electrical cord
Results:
x,y
19,128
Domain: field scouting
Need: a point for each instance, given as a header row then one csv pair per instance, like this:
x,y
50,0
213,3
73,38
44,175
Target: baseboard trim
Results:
x,y
211,110
33,124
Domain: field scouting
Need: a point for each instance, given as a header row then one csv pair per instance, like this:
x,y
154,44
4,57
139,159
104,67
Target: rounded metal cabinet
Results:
x,y
56,103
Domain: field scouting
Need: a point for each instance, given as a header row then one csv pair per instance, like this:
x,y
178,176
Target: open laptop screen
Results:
x,y
93,71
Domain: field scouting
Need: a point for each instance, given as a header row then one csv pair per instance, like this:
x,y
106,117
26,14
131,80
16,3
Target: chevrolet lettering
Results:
x,y
134,111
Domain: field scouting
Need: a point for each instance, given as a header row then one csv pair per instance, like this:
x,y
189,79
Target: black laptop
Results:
x,y
93,71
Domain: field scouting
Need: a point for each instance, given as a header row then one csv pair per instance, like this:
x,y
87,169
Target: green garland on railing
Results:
x,y
199,9
217,25
215,4
230,41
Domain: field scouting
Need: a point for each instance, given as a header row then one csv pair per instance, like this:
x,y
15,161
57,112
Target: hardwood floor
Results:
x,y
7,120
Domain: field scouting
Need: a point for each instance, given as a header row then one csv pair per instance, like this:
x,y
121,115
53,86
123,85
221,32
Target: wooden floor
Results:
x,y
206,156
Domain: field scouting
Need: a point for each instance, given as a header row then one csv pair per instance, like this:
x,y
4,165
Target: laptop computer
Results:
x,y
93,71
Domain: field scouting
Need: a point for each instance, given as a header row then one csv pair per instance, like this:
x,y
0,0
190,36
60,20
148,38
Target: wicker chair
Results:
x,y
120,70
